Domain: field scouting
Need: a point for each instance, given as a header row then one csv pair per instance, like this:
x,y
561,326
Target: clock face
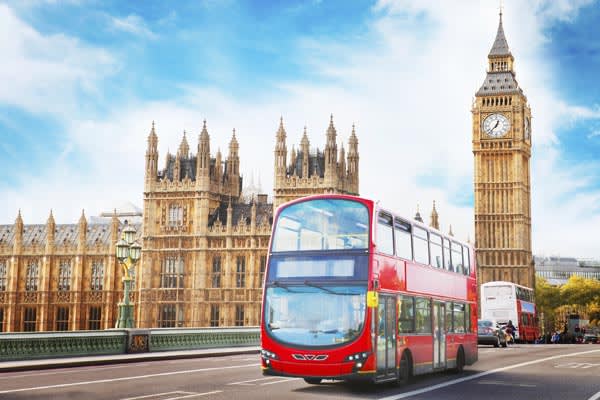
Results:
x,y
496,125
527,128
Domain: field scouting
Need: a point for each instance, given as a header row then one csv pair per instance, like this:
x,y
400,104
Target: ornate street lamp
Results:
x,y
128,254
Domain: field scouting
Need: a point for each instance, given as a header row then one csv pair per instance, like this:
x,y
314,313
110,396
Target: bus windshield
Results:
x,y
315,314
322,224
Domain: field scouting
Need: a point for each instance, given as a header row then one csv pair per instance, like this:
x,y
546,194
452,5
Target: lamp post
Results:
x,y
128,254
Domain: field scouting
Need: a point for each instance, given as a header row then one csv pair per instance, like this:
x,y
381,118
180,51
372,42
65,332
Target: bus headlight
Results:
x,y
267,355
362,356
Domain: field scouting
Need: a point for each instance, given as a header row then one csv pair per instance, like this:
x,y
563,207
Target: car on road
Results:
x,y
489,332
590,338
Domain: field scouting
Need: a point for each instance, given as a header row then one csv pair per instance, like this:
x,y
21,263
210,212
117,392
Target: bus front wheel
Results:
x,y
313,381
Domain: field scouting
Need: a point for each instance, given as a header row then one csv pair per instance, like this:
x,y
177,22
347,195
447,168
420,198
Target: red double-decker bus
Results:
x,y
354,291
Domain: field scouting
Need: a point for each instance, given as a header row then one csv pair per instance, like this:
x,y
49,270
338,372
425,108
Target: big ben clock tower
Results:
x,y
502,150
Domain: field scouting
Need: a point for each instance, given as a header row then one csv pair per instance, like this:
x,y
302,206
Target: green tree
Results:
x,y
547,296
580,291
547,299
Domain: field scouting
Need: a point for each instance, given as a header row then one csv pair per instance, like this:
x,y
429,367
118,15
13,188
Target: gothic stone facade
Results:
x,y
502,151
204,243
59,277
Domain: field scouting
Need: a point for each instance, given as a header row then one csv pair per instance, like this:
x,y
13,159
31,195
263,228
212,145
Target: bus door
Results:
x,y
439,335
386,337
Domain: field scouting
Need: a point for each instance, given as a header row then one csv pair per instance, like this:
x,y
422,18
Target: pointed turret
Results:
x,y
233,167
450,233
331,154
280,154
50,221
434,222
184,148
500,46
183,152
500,78
203,161
82,232
151,157
114,231
353,159
305,148
50,230
18,233
418,215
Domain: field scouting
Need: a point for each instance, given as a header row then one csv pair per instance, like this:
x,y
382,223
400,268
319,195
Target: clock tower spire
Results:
x,y
502,152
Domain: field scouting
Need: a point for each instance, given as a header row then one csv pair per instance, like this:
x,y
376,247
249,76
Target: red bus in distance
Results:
x,y
353,291
507,301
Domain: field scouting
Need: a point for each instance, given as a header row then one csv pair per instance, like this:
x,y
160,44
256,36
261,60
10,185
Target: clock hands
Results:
x,y
495,126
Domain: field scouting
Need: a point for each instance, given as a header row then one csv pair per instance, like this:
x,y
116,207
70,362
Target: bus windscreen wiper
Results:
x,y
281,285
323,288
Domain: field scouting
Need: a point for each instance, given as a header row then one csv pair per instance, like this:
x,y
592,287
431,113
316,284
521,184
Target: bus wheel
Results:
x,y
404,370
460,361
313,381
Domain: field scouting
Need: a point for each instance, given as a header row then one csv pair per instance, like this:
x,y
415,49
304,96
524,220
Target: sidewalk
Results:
x,y
9,366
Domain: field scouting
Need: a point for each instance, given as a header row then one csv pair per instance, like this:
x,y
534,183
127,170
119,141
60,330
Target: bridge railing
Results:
x,y
39,345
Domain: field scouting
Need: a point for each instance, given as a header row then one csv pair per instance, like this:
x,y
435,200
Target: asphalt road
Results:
x,y
527,372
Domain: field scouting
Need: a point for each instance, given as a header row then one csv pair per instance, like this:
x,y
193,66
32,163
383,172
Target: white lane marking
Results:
x,y
595,397
280,381
127,378
155,395
195,395
500,383
577,365
479,375
248,382
69,371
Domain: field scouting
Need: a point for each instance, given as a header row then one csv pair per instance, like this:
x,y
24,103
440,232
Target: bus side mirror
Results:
x,y
375,284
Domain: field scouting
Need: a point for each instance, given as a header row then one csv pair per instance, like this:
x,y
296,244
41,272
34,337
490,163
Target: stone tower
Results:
x,y
314,171
204,247
502,151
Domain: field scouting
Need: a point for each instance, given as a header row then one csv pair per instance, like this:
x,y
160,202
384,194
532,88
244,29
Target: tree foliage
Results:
x,y
580,291
547,297
578,294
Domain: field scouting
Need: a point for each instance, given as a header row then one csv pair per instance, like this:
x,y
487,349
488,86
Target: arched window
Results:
x,y
31,279
64,276
2,275
172,273
175,215
97,279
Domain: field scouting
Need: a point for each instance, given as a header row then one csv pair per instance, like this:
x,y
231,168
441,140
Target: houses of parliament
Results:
x,y
204,241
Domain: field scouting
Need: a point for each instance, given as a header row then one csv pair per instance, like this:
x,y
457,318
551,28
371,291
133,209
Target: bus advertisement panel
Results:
x,y
355,292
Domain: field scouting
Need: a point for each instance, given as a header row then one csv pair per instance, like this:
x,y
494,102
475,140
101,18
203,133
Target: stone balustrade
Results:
x,y
39,345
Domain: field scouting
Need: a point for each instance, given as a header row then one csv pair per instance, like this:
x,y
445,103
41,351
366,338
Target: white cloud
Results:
x,y
133,24
409,93
594,133
45,74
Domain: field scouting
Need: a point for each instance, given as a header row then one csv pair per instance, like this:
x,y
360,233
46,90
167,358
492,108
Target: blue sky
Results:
x,y
84,79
